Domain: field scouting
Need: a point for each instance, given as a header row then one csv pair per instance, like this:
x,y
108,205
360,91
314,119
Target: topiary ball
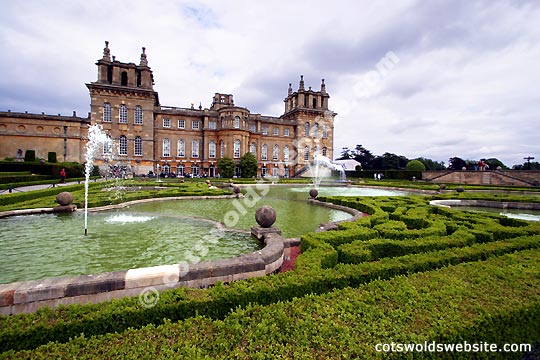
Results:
x,y
313,193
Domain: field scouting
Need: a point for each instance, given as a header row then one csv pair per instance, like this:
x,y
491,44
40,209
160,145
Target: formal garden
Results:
x,y
408,273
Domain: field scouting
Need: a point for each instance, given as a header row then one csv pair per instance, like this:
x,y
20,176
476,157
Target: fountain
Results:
x,y
321,168
96,139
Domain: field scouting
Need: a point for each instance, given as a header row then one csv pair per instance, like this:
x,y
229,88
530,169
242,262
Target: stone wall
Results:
x,y
495,177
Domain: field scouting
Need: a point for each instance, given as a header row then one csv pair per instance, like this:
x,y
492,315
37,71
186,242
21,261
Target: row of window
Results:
x,y
181,149
212,125
310,131
181,170
123,114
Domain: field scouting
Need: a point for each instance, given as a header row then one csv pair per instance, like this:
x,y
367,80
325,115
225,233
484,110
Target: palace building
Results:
x,y
169,139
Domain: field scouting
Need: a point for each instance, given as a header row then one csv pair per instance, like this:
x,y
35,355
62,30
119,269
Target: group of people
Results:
x,y
482,166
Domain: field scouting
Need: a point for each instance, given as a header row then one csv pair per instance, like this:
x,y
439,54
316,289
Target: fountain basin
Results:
x,y
522,210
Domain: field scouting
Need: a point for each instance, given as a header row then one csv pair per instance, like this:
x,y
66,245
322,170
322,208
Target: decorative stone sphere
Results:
x,y
208,182
442,187
460,189
236,190
313,193
265,216
64,198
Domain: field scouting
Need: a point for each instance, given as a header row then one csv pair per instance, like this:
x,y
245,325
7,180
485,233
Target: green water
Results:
x,y
158,233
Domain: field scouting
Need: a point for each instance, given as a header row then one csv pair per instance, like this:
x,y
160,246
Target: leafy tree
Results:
x,y
533,165
415,165
456,163
431,164
226,167
345,154
393,161
248,164
494,163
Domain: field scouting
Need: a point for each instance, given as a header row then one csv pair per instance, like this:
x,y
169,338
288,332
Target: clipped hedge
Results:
x,y
468,302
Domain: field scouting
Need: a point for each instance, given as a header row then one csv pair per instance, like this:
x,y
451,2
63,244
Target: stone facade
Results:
x,y
169,139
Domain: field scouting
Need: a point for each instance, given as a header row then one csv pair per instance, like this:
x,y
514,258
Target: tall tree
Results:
x,y
226,167
456,163
248,164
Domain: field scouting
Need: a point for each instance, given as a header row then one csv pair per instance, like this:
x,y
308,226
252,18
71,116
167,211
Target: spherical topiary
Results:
x,y
236,190
442,187
460,189
313,193
64,198
265,216
415,165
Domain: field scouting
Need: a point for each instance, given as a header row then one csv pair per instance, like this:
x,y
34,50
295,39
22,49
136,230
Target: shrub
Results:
x,y
30,155
415,165
51,157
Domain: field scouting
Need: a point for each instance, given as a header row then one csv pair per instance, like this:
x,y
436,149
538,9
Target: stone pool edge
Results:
x,y
29,296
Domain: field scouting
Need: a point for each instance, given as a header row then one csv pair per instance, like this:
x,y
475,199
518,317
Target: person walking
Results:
x,y
62,176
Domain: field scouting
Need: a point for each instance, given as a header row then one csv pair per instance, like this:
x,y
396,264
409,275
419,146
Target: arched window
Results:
x,y
316,131
138,115
236,149
181,148
315,152
221,149
195,149
108,145
324,151
223,123
107,114
286,153
253,148
194,170
122,150
237,122
306,153
264,152
138,146
166,147
212,149
306,130
124,78
275,152
123,114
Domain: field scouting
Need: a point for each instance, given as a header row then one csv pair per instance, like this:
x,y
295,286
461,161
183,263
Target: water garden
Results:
x,y
409,272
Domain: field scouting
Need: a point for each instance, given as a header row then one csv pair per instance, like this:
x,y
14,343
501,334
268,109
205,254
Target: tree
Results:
x,y
345,154
494,163
456,163
248,164
415,165
226,167
431,164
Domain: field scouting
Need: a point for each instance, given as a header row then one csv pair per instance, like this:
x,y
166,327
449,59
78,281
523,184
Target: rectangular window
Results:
x,y
181,124
286,132
195,149
166,148
275,131
325,132
264,130
212,125
138,146
252,127
181,148
195,125
166,122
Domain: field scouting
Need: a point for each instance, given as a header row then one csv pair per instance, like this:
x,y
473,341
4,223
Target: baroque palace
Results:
x,y
184,141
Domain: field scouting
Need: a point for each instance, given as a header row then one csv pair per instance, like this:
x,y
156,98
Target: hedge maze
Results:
x,y
407,273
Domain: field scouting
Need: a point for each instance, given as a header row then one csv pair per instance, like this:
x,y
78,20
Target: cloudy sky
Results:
x,y
430,78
